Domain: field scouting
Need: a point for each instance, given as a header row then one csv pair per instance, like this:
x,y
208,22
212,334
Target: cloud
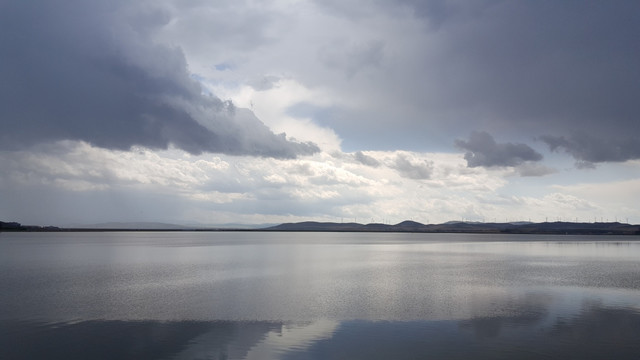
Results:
x,y
621,192
352,58
588,150
364,159
533,169
489,65
174,186
417,170
99,76
482,150
383,88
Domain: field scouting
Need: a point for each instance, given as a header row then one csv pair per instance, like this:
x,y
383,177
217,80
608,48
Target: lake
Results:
x,y
269,295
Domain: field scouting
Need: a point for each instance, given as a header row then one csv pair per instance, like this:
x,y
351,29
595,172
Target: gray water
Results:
x,y
263,295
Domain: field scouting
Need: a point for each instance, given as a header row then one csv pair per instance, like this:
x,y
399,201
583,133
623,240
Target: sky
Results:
x,y
260,112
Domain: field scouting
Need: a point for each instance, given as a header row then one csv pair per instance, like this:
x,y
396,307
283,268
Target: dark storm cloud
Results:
x,y
543,67
352,58
541,58
553,67
91,71
482,150
437,12
588,150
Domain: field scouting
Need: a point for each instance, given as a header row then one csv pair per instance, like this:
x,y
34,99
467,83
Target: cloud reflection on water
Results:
x,y
596,331
78,296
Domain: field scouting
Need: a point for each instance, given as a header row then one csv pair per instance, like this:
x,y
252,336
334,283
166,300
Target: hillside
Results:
x,y
569,228
613,228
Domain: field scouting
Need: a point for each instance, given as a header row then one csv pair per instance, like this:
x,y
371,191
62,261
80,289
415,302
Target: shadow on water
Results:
x,y
596,332
128,339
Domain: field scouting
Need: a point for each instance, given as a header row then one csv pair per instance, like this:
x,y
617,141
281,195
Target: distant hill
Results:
x,y
15,226
468,227
316,226
602,228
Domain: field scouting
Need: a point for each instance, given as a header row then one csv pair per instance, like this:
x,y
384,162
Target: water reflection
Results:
x,y
597,332
316,296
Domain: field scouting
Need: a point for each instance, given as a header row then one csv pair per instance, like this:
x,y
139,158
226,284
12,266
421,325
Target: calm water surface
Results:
x,y
254,295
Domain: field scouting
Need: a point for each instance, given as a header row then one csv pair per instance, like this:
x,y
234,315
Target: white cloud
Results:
x,y
271,106
323,186
610,200
327,187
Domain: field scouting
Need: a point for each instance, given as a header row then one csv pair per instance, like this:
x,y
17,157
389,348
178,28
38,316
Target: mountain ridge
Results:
x,y
557,227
